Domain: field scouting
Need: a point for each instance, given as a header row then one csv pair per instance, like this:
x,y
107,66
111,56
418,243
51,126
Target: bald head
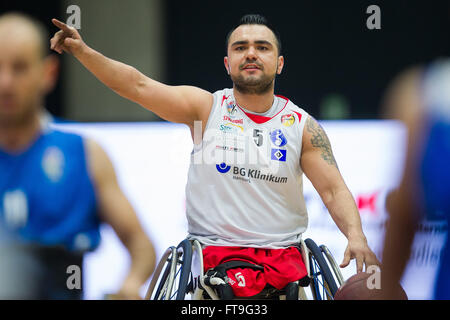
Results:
x,y
18,30
27,71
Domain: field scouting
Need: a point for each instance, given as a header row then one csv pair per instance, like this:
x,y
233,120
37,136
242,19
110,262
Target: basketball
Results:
x,y
357,288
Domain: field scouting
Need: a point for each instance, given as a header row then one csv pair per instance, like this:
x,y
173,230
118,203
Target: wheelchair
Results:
x,y
179,276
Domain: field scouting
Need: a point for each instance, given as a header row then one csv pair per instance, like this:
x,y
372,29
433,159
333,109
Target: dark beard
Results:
x,y
257,87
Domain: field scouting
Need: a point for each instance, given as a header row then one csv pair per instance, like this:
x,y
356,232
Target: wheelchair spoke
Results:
x,y
175,291
320,286
172,278
163,292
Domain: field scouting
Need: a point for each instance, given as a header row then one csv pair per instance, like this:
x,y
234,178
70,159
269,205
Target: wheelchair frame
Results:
x,y
173,279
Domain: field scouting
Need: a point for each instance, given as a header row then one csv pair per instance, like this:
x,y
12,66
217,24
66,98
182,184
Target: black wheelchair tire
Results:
x,y
324,269
183,257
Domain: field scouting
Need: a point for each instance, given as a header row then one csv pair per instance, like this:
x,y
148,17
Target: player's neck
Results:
x,y
17,138
258,103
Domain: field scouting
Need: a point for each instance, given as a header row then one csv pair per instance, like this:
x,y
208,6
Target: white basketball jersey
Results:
x,y
245,185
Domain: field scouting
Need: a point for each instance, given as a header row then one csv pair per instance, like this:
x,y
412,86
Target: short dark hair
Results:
x,y
255,19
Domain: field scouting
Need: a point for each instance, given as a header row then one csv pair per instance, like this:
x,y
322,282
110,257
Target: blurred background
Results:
x,y
336,68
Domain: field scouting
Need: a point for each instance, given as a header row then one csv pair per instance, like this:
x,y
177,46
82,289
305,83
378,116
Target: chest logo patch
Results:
x,y
53,163
278,155
277,137
287,120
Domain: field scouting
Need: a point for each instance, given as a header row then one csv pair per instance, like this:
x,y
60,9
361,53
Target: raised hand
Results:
x,y
67,39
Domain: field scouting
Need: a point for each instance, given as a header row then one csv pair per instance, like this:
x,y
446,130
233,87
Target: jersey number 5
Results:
x,y
258,137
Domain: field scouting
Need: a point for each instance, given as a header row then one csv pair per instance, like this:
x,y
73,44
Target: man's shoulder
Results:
x,y
62,138
291,105
224,90
293,110
224,93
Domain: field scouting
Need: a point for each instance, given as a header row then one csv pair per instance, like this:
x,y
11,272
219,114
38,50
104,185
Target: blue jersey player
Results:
x,y
421,99
55,187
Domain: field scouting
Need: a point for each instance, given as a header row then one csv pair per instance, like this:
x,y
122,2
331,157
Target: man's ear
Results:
x,y
227,65
51,72
280,64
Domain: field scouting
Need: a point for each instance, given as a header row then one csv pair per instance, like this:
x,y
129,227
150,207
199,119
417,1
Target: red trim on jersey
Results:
x,y
282,97
224,98
257,118
261,119
299,116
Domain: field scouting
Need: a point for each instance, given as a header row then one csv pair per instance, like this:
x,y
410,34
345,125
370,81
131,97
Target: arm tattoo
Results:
x,y
320,140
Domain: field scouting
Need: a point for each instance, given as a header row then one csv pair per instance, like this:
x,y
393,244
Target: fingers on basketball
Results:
x,y
360,287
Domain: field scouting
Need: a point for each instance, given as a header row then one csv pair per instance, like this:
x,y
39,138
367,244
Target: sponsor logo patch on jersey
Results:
x,y
235,121
278,138
223,168
231,128
248,175
287,120
278,154
229,148
53,163
231,108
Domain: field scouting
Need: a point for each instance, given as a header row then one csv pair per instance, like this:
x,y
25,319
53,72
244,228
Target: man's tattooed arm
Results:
x,y
320,140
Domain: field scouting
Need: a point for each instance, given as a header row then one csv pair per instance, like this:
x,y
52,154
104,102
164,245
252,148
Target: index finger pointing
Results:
x,y
61,25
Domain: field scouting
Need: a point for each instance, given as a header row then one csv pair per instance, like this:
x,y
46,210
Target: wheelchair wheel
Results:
x,y
171,278
334,266
323,284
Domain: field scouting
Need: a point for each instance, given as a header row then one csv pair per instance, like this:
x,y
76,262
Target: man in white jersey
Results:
x,y
241,193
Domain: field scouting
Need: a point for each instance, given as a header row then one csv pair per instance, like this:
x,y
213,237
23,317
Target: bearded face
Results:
x,y
252,78
253,61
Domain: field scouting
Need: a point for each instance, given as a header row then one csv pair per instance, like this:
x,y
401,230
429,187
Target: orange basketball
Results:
x,y
357,288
